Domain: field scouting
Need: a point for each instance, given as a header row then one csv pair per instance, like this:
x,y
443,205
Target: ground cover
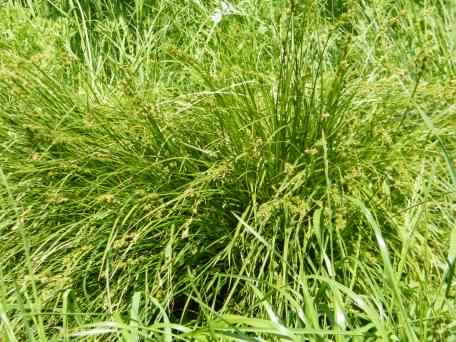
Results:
x,y
246,170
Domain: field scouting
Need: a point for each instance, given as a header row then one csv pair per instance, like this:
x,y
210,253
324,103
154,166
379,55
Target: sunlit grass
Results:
x,y
284,171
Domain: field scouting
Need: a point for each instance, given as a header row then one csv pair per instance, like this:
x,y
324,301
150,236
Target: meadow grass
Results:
x,y
245,171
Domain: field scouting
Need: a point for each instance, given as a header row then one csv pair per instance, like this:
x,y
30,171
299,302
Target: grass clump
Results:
x,y
227,171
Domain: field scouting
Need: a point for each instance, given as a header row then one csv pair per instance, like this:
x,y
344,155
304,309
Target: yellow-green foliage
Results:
x,y
214,170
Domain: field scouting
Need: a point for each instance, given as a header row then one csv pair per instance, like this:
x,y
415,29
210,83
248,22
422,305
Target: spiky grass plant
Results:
x,y
274,175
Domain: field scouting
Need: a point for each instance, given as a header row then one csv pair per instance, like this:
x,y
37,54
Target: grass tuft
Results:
x,y
220,170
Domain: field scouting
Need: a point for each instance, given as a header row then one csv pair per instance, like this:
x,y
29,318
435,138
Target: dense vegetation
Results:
x,y
205,170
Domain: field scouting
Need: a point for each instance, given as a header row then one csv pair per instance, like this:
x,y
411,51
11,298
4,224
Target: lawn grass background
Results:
x,y
284,174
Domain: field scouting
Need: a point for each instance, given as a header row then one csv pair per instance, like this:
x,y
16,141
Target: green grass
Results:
x,y
286,174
